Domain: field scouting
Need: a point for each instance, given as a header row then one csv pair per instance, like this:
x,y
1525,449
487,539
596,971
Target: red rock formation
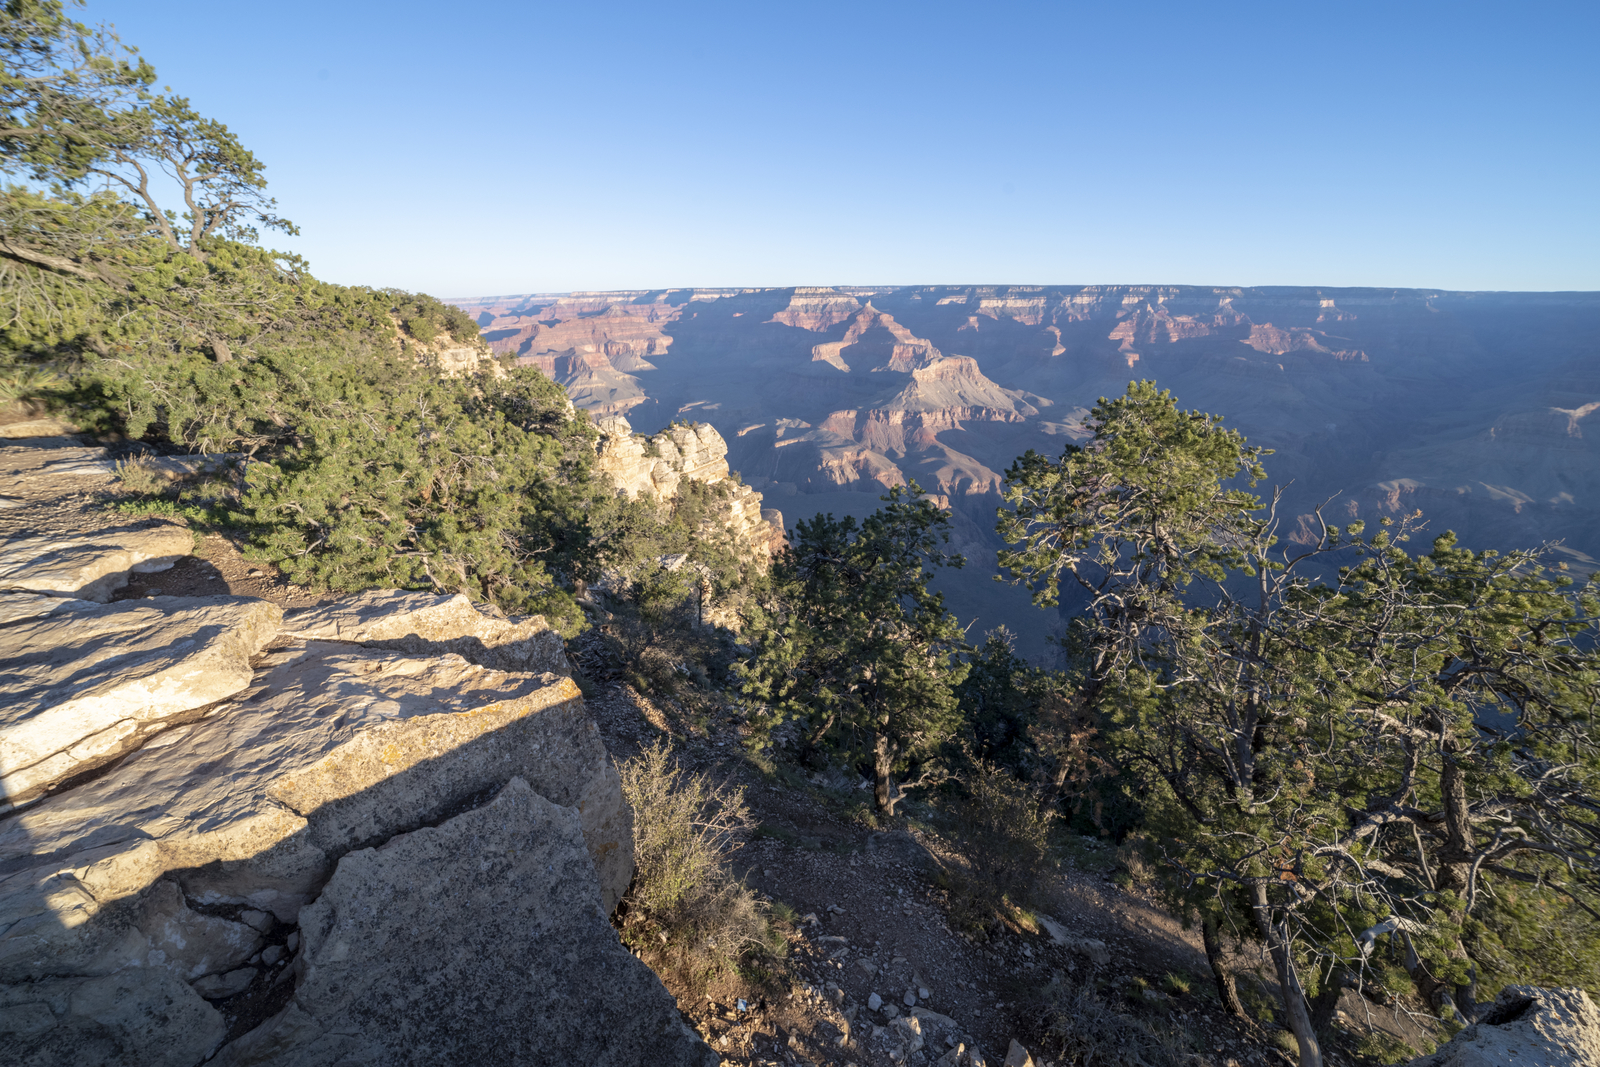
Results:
x,y
1472,406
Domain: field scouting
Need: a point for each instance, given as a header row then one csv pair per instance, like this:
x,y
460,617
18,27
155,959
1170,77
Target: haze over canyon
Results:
x,y
1472,407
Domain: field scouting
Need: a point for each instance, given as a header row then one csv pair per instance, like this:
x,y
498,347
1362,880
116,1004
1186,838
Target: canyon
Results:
x,y
1471,407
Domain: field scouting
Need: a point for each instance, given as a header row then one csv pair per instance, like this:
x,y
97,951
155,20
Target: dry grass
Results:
x,y
685,908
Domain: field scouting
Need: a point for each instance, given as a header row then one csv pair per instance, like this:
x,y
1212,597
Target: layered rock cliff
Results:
x,y
343,834
1384,399
656,466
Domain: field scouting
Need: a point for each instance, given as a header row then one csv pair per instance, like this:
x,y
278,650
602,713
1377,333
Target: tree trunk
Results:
x,y
1294,995
1227,988
883,794
1453,876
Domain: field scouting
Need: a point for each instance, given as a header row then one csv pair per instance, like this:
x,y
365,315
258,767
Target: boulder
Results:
x,y
1527,1025
481,940
906,1032
1084,946
85,684
426,623
91,565
333,748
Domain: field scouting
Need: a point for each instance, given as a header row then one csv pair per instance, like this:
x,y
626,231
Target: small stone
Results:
x,y
294,941
271,954
218,986
867,967
923,993
260,920
874,1002
910,998
1017,1056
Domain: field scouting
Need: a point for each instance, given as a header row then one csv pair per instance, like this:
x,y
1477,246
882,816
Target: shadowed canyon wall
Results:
x,y
1474,407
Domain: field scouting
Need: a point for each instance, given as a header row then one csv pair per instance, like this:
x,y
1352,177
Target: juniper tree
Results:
x,y
857,648
1336,761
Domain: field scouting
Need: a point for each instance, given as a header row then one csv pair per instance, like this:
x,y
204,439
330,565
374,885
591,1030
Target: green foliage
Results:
x,y
1400,746
387,477
855,648
60,81
426,318
1139,513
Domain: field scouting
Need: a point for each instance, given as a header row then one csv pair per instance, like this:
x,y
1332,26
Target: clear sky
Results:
x,y
486,147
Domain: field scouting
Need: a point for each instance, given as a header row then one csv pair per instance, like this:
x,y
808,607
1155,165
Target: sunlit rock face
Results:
x,y
1474,407
245,838
656,466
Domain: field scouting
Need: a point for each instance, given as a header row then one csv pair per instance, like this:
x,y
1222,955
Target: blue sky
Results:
x,y
484,147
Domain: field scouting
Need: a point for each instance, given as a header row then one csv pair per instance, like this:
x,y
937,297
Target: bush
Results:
x,y
1086,1031
684,905
1002,829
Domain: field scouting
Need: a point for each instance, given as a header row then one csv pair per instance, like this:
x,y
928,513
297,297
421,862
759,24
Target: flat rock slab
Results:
x,y
332,748
80,687
426,623
14,606
481,940
90,566
135,1016
69,461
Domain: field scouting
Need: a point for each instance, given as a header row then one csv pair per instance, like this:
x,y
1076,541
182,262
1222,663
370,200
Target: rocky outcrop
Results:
x,y
536,967
656,466
430,624
1527,1025
346,828
592,380
81,686
90,566
816,309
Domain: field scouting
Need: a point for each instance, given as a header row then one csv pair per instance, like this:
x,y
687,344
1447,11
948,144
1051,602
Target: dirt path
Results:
x,y
870,920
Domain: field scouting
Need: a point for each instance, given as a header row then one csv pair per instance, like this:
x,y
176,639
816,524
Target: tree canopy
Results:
x,y
1405,750
857,648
